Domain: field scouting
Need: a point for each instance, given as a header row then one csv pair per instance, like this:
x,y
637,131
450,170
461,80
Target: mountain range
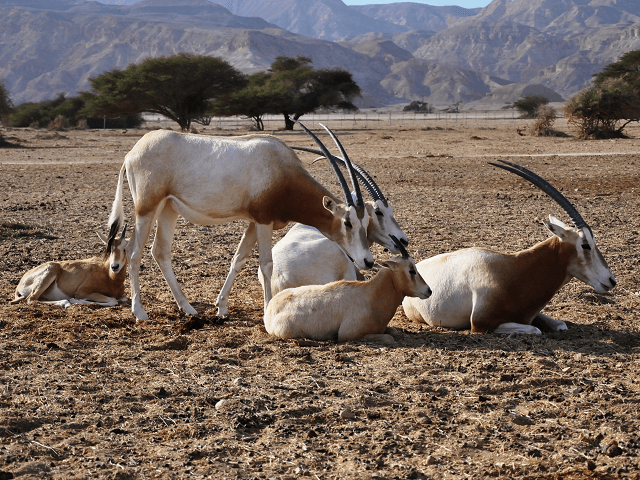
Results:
x,y
397,52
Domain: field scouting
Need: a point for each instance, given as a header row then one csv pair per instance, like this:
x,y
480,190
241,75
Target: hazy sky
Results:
x,y
460,3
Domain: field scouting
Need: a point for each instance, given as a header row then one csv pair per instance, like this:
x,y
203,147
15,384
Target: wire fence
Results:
x,y
360,120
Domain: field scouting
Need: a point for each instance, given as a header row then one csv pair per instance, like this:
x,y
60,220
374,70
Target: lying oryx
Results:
x,y
346,310
304,256
93,280
490,291
211,180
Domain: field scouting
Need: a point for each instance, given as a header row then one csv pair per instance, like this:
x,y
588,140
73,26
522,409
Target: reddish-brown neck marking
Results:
x,y
529,279
298,199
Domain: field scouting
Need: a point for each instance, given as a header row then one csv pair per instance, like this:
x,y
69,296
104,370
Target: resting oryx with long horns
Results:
x,y
306,257
346,310
211,180
490,291
93,280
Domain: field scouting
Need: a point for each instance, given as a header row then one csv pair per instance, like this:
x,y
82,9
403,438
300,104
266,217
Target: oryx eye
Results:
x,y
347,224
379,213
412,272
586,246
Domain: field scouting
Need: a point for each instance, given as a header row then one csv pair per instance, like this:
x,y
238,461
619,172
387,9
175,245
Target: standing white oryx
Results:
x,y
211,180
92,280
306,257
346,310
490,291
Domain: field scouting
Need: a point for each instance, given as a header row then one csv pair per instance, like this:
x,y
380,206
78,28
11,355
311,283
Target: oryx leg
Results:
x,y
265,234
161,252
249,239
140,235
95,297
552,323
41,281
512,327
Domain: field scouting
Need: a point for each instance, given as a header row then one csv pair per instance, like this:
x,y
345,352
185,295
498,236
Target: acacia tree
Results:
x,y
6,106
613,102
308,89
260,96
179,87
292,88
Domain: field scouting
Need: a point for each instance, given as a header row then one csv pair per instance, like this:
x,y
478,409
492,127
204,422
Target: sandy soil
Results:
x,y
88,392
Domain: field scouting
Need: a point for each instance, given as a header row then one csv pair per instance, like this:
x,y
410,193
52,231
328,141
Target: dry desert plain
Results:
x,y
88,392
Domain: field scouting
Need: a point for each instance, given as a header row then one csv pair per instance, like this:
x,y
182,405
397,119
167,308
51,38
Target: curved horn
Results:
x,y
361,173
124,231
546,187
325,152
399,246
354,182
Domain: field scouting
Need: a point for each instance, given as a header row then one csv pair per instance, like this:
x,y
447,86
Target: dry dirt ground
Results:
x,y
88,392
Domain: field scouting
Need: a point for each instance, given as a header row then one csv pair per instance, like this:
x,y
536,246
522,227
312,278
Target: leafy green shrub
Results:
x,y
418,106
613,102
598,111
30,114
530,104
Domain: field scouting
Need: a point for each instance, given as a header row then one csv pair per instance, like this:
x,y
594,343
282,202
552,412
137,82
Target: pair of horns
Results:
x,y
333,160
546,187
361,173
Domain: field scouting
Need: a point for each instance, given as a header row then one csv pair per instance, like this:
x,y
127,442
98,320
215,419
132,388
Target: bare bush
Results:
x,y
59,123
82,124
545,118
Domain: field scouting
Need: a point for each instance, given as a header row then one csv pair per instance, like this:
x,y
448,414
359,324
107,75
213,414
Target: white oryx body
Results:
x,y
485,290
93,280
306,257
346,310
211,180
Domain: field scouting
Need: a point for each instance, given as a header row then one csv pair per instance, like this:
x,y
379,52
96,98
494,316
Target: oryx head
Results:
x,y
382,223
406,277
588,264
115,251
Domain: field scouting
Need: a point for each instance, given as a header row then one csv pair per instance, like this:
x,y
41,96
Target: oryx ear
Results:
x,y
329,204
556,227
104,239
385,263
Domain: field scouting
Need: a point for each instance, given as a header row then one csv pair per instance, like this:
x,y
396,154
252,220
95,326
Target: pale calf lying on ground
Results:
x,y
93,280
491,291
346,310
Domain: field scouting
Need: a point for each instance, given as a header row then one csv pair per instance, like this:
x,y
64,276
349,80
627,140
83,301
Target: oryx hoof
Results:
x,y
188,310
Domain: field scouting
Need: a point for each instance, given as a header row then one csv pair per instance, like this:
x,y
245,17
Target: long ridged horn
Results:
x,y
361,173
546,187
354,182
399,246
336,168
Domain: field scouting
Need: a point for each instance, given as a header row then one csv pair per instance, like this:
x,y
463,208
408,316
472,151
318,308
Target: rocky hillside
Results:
x,y
397,52
557,43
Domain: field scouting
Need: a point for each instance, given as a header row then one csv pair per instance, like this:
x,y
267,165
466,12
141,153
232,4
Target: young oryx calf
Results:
x,y
492,291
304,256
347,310
92,280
